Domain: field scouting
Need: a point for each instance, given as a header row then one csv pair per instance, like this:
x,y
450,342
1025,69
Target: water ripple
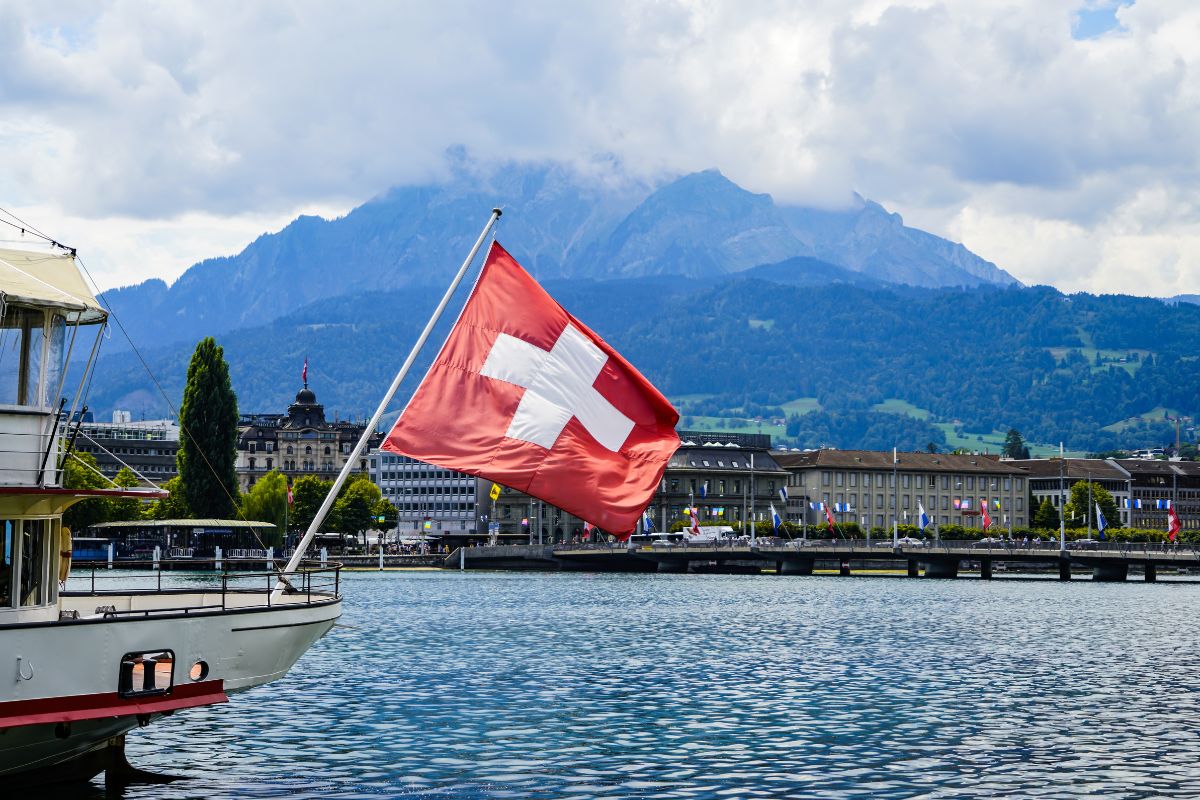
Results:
x,y
517,685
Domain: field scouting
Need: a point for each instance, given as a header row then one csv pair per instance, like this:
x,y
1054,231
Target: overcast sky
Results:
x,y
1058,138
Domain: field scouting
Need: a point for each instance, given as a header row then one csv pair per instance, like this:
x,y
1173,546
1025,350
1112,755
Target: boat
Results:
x,y
81,668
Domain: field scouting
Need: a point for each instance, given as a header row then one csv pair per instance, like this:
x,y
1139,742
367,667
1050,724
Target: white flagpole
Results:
x,y
348,467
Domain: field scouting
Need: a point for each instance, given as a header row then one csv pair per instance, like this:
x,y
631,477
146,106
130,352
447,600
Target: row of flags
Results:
x,y
1140,503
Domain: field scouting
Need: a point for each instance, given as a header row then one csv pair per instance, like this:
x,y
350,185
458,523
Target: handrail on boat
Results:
x,y
316,582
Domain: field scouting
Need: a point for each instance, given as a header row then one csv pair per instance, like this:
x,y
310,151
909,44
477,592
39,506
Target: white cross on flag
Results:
x,y
525,395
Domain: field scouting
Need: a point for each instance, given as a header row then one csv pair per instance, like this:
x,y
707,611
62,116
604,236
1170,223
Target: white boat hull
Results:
x,y
59,688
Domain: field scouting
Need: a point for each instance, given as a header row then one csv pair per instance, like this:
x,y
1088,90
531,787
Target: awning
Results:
x,y
47,279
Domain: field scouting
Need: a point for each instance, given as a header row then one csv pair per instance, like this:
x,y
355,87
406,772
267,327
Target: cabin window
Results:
x,y
8,555
30,362
32,589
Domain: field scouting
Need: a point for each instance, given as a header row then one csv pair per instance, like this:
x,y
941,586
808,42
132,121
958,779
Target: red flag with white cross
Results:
x,y
1173,525
524,394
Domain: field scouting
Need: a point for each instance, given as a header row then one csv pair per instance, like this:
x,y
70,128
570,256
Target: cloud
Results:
x,y
156,131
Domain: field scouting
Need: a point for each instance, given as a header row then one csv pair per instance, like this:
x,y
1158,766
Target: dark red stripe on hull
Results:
x,y
71,708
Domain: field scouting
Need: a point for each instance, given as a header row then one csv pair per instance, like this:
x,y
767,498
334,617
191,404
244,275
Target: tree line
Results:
x,y
206,487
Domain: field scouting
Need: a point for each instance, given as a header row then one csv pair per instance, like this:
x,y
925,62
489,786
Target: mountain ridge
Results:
x,y
558,224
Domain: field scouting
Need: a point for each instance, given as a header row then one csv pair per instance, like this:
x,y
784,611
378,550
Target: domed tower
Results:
x,y
306,412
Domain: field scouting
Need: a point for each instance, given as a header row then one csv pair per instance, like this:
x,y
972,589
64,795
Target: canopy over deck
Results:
x,y
47,279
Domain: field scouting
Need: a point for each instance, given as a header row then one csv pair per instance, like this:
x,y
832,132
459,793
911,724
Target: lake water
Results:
x,y
567,685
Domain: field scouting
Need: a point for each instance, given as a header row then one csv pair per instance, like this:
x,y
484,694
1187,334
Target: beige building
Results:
x,y
866,487
298,443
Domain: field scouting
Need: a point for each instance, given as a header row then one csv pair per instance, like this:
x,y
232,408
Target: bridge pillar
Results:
x,y
1151,572
844,567
1110,571
672,566
1064,569
985,568
943,568
914,568
803,566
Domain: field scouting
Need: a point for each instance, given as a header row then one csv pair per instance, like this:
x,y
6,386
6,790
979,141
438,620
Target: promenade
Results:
x,y
1107,561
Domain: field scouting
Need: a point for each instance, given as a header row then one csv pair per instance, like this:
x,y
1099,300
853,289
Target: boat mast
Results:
x,y
352,459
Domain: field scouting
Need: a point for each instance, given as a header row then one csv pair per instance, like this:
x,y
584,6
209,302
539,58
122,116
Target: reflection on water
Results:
x,y
516,685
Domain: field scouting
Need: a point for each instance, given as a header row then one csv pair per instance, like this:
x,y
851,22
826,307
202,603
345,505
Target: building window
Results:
x,y
853,479
970,481
825,478
252,463
906,481
867,481
327,450
290,451
839,478
269,463
250,447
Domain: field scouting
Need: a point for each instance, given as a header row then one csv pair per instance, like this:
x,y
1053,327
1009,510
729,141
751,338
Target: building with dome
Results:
x,y
298,443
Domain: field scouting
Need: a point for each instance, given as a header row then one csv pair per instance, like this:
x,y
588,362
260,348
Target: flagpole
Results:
x,y
352,459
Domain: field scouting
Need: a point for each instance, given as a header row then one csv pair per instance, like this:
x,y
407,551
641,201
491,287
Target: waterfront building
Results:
x,y
866,487
298,443
1139,487
148,446
728,477
430,501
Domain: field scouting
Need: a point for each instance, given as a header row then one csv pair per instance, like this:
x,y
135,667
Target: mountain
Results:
x,y
558,222
879,362
867,238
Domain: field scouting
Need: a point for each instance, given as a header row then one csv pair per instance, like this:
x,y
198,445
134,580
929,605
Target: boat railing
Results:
x,y
313,582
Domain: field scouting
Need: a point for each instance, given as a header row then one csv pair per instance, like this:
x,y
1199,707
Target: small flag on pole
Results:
x,y
304,372
829,518
647,522
290,500
1173,525
923,519
987,518
695,529
783,495
775,518
1101,523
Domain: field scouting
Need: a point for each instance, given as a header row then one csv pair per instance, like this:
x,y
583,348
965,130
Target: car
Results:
x,y
909,541
991,541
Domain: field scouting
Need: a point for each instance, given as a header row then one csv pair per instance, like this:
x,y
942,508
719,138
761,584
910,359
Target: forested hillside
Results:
x,y
884,364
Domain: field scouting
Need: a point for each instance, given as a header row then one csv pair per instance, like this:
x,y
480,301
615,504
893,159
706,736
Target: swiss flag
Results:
x,y
987,518
525,395
1173,525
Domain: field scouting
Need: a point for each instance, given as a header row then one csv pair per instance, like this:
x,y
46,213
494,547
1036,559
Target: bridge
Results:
x,y
1108,561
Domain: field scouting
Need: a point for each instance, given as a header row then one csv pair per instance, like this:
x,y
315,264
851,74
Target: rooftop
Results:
x,y
882,460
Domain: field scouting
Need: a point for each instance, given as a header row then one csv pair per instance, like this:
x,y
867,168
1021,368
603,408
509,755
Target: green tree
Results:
x,y
173,506
307,494
1014,445
1079,513
389,513
356,505
78,476
1046,516
208,434
267,502
125,508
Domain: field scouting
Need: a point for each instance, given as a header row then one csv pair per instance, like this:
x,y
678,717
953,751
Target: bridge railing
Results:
x,y
997,547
